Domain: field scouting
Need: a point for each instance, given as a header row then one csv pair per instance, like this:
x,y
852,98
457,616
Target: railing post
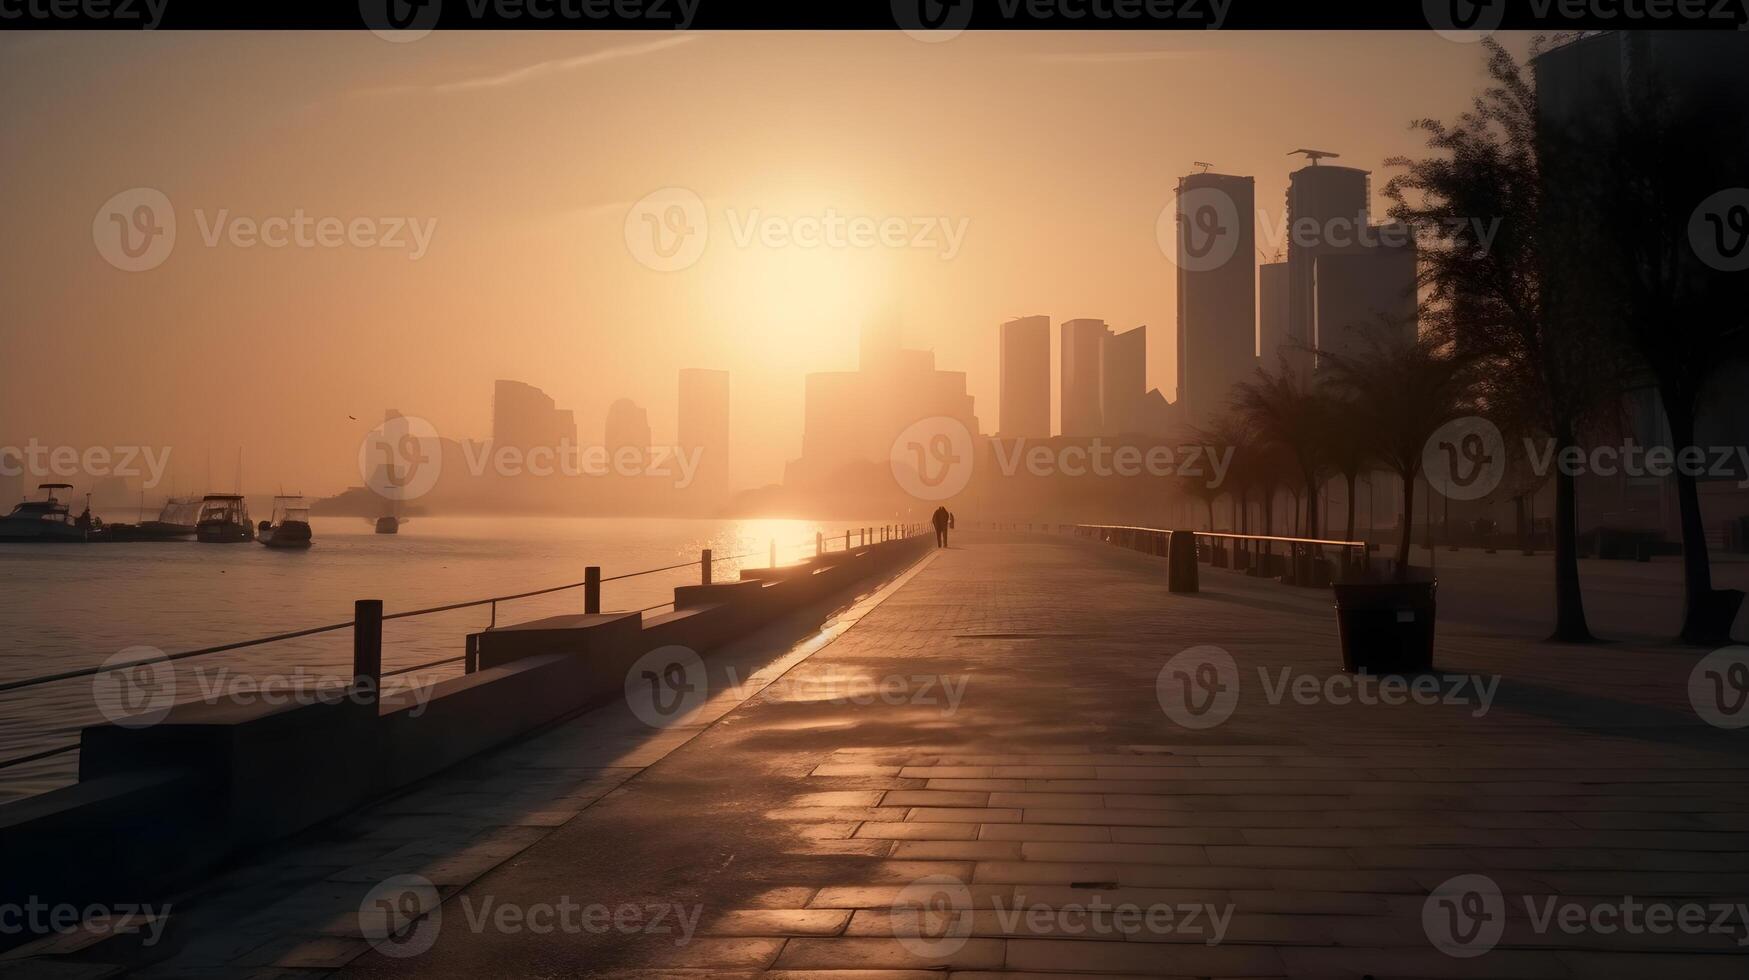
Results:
x,y
367,650
847,539
704,567
819,543
592,589
773,553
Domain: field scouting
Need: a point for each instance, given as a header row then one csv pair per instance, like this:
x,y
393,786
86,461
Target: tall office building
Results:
x,y
1271,313
1365,290
627,435
1025,378
703,427
524,416
1326,210
1217,306
854,417
1083,356
1123,381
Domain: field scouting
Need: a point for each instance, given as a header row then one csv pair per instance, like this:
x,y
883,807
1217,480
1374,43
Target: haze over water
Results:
x,y
69,607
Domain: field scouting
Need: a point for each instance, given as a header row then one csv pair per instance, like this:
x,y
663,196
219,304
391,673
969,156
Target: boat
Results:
x,y
175,523
223,519
388,524
45,520
176,520
290,526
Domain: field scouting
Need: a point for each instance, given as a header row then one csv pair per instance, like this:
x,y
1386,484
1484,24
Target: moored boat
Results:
x,y
45,520
223,519
290,526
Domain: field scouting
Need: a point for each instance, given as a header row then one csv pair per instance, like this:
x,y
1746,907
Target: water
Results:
x,y
72,606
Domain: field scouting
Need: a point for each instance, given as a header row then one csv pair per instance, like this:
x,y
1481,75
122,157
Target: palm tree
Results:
x,y
1401,392
1287,416
1346,445
1485,254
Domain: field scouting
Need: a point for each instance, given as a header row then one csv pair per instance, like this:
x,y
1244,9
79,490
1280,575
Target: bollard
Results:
x,y
704,567
592,589
819,544
773,563
367,649
846,539
1181,562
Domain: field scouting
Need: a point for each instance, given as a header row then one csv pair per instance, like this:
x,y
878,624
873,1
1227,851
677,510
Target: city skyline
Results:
x,y
527,273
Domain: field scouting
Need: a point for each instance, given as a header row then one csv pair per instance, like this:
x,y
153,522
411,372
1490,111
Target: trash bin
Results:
x,y
1386,627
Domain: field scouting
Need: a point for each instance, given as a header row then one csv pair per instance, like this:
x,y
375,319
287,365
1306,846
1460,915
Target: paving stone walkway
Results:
x,y
1028,759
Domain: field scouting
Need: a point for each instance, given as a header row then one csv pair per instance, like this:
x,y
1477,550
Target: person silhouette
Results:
x,y
941,519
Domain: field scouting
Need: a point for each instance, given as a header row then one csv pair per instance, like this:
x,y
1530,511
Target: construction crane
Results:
x,y
1314,155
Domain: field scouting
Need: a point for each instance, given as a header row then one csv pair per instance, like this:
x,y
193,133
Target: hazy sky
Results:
x,y
1053,152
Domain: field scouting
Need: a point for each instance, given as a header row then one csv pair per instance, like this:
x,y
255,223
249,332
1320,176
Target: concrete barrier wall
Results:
x,y
157,807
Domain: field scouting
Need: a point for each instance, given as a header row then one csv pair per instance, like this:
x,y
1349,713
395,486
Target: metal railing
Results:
x,y
368,617
1297,563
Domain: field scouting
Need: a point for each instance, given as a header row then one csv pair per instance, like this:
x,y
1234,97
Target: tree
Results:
x,y
1288,416
1478,207
1628,186
1346,446
1401,393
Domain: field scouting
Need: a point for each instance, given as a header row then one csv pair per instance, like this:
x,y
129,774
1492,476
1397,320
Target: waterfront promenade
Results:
x,y
988,736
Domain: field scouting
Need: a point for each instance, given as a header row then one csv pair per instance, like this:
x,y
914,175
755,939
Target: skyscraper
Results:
x,y
1217,305
627,436
1326,210
1271,313
1026,378
524,416
703,427
1083,354
1367,289
1123,381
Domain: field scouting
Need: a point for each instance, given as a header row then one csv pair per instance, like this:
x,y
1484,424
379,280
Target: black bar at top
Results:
x,y
928,20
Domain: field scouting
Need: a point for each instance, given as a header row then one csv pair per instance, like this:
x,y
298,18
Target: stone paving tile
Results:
x,y
780,922
887,953
1322,827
